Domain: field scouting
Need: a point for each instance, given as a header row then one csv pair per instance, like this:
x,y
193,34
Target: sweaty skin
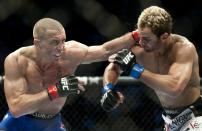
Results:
x,y
30,70
171,68
174,76
30,78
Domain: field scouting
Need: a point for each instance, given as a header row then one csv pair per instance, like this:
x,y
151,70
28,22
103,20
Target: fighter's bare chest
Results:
x,y
163,65
160,65
38,79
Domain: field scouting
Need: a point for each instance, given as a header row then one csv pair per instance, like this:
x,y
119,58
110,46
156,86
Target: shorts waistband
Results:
x,y
196,107
174,111
43,116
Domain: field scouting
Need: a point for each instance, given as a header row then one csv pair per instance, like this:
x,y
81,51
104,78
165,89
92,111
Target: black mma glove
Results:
x,y
127,62
109,98
66,86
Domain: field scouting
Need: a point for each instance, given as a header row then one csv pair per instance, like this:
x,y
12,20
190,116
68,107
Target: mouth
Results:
x,y
57,55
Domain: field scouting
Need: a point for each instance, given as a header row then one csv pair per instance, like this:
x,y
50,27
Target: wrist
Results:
x,y
137,71
107,87
52,92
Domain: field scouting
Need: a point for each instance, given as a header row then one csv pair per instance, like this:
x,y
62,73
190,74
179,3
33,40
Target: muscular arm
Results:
x,y
111,74
15,86
178,75
102,52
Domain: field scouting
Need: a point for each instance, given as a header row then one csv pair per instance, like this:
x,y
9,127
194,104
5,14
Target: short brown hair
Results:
x,y
41,26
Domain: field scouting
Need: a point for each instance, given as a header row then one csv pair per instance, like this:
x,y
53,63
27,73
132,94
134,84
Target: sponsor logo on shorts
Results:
x,y
42,116
180,120
195,125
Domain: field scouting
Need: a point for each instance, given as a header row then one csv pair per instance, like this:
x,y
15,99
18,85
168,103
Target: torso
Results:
x,y
38,80
161,65
41,77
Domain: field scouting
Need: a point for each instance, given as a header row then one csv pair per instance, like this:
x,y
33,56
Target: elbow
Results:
x,y
15,109
176,90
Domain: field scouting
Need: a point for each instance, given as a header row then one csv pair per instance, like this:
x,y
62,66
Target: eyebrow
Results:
x,y
146,37
56,38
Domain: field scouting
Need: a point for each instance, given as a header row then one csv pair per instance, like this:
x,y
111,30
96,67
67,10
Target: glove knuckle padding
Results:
x,y
125,51
72,80
125,59
71,83
119,58
109,100
112,97
65,86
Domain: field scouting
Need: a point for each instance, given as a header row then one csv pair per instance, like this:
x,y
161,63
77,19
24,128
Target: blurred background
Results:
x,y
93,22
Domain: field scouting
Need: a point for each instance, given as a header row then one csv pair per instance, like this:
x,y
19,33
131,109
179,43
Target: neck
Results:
x,y
41,59
165,46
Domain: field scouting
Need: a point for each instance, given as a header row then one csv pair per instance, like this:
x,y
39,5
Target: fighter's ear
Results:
x,y
164,36
36,43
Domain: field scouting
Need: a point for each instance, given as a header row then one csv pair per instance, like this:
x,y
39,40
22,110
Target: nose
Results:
x,y
60,47
141,42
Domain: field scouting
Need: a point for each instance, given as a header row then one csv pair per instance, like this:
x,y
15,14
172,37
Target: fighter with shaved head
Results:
x,y
38,78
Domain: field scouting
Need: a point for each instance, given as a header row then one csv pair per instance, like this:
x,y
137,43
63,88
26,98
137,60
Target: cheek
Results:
x,y
49,49
154,43
150,45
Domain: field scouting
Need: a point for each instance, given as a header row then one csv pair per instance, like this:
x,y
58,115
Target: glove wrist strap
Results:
x,y
137,71
107,87
52,92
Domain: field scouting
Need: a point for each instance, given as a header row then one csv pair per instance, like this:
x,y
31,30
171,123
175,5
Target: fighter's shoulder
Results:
x,y
76,46
183,48
73,44
183,44
17,58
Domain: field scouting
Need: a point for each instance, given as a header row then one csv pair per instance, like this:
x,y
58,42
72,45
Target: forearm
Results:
x,y
163,83
28,103
102,52
111,74
111,98
126,41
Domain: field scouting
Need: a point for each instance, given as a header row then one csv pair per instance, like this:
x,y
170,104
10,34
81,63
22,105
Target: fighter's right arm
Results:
x,y
111,74
15,86
125,61
111,98
102,52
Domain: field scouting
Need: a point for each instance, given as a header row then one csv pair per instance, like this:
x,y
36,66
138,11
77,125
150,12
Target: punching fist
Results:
x,y
66,86
110,98
127,62
135,35
136,38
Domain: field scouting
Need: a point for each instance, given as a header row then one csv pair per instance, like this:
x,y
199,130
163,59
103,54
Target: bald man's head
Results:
x,y
44,27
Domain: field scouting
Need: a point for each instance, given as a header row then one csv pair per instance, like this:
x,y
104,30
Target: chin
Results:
x,y
147,50
55,58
